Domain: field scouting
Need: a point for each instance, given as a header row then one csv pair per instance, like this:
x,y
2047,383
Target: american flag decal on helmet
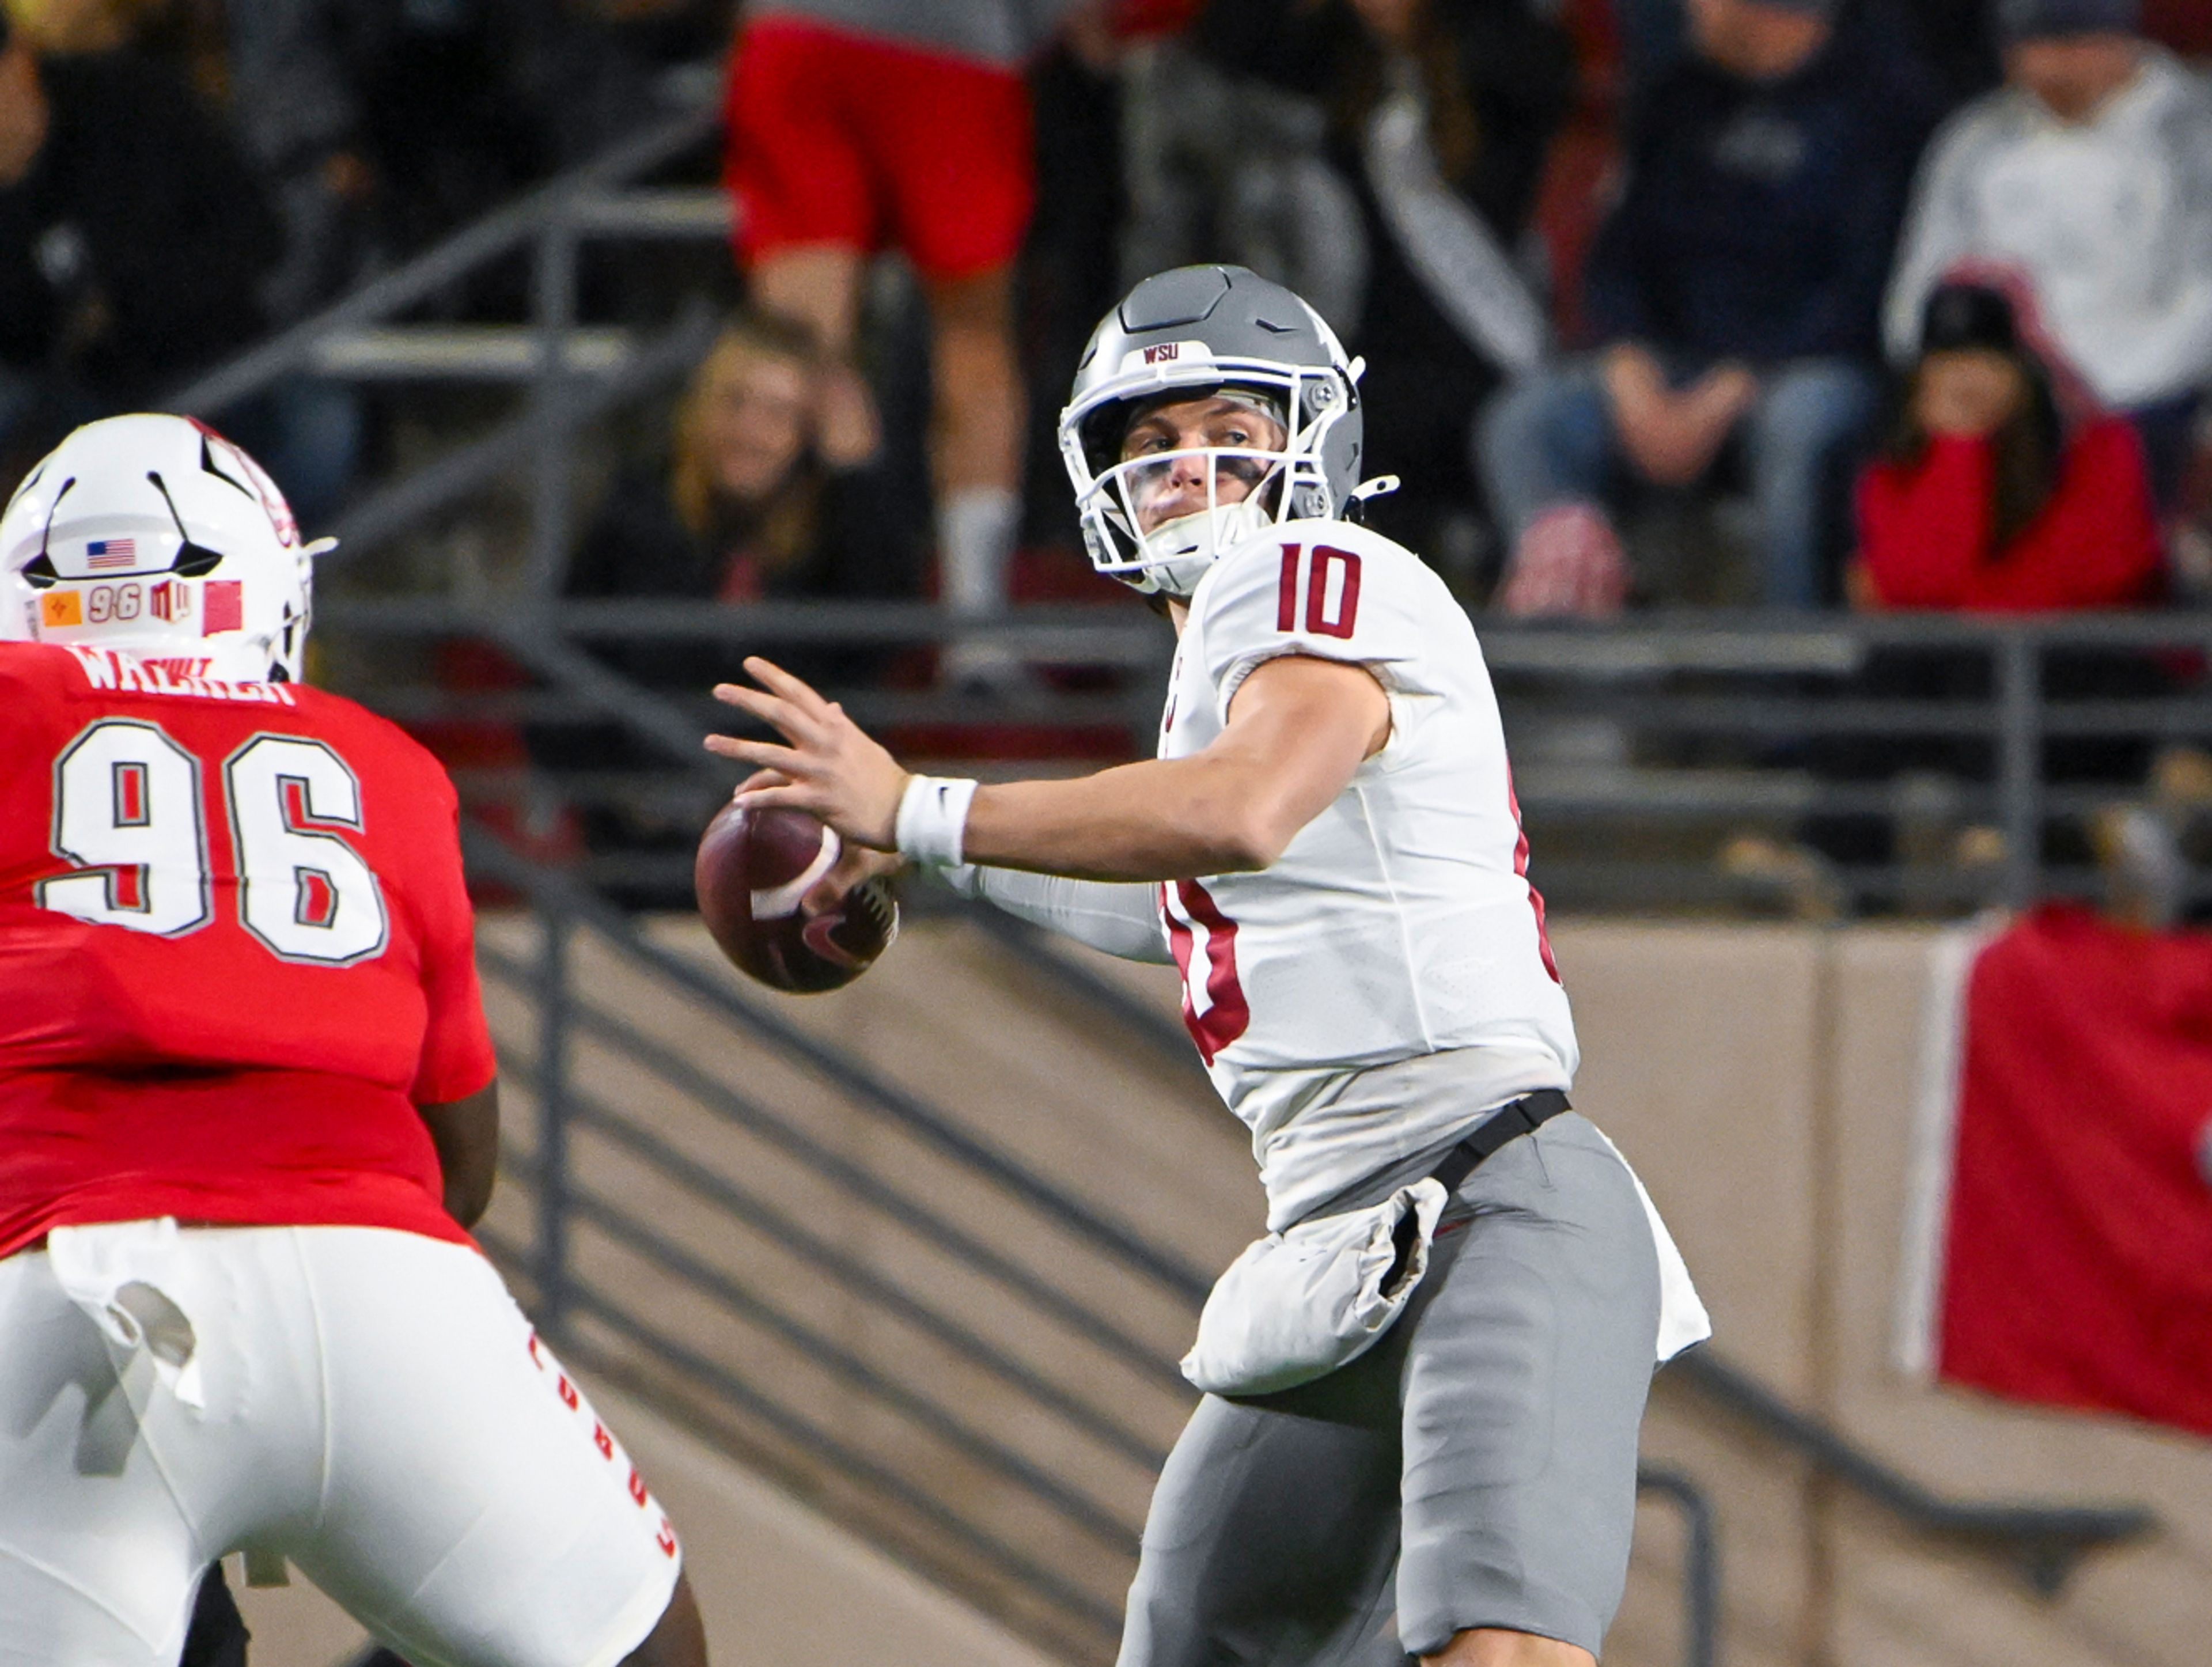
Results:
x,y
104,555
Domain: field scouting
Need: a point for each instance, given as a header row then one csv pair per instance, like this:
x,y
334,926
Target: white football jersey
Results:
x,y
1400,923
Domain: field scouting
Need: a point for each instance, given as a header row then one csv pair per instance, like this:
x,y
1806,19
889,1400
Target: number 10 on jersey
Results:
x,y
1319,591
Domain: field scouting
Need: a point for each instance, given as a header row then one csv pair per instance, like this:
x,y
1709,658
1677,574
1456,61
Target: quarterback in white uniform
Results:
x,y
1431,1372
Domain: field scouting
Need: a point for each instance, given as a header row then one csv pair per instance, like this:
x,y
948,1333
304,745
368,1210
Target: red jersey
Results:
x,y
235,953
1925,534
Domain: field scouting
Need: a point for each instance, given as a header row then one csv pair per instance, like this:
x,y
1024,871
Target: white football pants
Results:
x,y
369,1403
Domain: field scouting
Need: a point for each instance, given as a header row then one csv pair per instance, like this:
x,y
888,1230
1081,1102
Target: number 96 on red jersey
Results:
x,y
227,875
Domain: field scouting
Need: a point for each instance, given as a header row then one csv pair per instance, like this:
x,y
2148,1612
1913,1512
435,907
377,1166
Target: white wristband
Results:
x,y
933,817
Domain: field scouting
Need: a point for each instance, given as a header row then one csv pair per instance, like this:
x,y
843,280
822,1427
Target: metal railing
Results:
x,y
2044,1541
572,375
565,1204
1706,724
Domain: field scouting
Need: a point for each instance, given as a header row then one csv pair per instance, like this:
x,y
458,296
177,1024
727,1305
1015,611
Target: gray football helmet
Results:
x,y
1190,331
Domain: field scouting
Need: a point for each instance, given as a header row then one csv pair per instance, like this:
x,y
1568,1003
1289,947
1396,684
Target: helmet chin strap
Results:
x,y
1178,552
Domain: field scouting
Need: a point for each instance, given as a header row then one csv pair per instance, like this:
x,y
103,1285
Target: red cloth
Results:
x,y
1924,531
835,138
207,1069
2078,1267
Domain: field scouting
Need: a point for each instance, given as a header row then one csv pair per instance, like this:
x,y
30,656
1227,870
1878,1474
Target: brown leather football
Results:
x,y
753,867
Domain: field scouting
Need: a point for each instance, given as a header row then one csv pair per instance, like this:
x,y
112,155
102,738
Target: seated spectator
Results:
x,y
772,487
131,237
1985,498
2089,175
1442,114
1737,291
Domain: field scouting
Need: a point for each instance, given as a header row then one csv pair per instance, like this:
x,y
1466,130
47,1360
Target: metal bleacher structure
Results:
x,y
956,1334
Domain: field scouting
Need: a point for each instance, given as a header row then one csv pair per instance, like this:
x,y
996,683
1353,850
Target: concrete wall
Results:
x,y
1761,1079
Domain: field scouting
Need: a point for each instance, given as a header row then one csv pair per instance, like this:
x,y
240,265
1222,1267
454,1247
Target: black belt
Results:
x,y
1509,1122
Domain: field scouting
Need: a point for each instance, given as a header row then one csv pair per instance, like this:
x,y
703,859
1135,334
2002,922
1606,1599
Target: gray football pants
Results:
x,y
1484,1453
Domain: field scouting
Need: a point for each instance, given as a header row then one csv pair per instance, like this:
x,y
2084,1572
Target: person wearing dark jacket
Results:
x,y
1737,294
133,237
1442,114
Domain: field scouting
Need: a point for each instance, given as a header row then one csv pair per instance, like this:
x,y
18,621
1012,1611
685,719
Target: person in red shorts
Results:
x,y
856,125
247,1110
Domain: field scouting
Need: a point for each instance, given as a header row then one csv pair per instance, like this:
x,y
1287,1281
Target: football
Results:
x,y
752,869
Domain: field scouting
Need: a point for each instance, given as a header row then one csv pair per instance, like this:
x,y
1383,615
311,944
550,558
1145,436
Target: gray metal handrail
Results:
x,y
1701,1561
617,1317
582,1017
2045,1542
1558,670
553,890
568,203
566,1202
564,1291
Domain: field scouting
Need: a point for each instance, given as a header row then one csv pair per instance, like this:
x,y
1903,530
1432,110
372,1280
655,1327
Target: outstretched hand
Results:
x,y
831,768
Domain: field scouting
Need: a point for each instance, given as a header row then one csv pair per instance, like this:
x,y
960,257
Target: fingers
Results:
x,y
797,796
782,760
855,864
771,710
799,693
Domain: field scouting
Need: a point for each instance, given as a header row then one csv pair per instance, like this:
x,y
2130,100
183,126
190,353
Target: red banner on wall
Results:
x,y
2061,1249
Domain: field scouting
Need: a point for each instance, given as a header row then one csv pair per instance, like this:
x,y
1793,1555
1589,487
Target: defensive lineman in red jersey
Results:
x,y
246,1114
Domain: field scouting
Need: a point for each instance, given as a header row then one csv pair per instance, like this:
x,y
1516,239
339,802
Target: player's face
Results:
x,y
755,422
1191,439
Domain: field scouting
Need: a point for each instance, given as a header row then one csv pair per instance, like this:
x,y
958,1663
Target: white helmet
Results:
x,y
1188,332
156,536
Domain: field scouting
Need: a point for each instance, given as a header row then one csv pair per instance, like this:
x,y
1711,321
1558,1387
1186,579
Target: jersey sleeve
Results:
x,y
457,1060
1331,593
1122,920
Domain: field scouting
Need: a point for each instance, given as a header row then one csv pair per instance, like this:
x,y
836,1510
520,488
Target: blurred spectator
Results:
x,y
63,26
769,490
132,234
1442,113
855,125
2089,175
1736,290
390,122
1985,497
771,487
1953,38
303,123
2003,489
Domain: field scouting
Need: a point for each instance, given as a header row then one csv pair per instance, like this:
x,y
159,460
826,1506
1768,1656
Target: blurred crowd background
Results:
x,y
1806,303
